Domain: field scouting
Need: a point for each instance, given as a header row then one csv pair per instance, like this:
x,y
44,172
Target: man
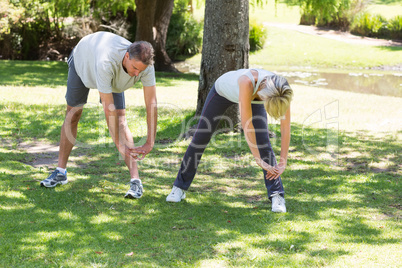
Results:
x,y
111,64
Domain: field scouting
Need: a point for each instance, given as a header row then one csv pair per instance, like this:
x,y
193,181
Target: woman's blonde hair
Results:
x,y
276,94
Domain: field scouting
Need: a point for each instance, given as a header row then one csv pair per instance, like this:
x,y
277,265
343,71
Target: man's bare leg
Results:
x,y
68,134
127,138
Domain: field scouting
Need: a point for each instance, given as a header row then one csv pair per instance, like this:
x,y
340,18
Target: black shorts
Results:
x,y
77,92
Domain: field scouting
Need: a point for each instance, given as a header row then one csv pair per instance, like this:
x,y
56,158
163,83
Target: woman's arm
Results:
x,y
246,114
285,142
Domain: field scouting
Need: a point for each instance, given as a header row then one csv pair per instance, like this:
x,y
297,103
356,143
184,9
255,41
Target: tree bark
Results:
x,y
225,47
163,12
153,17
145,12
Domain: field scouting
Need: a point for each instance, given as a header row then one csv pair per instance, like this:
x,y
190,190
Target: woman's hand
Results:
x,y
271,171
277,171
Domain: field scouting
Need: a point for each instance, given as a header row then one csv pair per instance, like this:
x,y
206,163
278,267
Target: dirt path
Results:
x,y
336,35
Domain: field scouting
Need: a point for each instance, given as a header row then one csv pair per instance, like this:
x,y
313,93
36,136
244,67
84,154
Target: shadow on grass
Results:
x,y
390,48
88,222
33,73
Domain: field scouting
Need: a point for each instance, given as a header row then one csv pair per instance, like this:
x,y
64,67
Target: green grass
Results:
x,y
343,188
290,48
343,203
285,47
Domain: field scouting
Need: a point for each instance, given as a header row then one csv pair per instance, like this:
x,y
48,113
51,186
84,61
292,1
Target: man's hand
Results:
x,y
139,153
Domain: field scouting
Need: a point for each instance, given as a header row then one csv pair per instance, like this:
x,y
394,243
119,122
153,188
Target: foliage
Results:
x,y
367,24
395,28
336,13
257,36
184,37
374,25
9,15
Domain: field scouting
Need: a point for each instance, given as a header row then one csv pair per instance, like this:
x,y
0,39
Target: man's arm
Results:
x,y
152,113
152,118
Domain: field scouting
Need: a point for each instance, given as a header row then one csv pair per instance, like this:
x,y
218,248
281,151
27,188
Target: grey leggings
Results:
x,y
214,107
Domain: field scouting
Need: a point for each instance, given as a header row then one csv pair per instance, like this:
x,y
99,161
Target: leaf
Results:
x,y
130,254
98,252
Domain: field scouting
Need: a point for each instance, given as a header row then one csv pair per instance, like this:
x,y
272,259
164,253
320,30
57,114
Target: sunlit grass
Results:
x,y
343,206
342,210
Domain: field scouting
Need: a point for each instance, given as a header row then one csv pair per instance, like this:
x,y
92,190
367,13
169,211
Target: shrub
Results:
x,y
184,36
333,13
395,27
367,24
257,36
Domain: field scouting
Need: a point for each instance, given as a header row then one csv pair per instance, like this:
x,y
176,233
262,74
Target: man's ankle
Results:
x,y
62,170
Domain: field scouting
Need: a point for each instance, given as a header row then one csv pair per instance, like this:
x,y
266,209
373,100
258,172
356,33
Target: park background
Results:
x,y
342,181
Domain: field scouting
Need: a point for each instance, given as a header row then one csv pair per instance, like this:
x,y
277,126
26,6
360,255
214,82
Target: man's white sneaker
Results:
x,y
278,203
176,195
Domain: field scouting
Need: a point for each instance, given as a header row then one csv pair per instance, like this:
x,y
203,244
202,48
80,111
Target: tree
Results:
x,y
225,47
153,17
335,13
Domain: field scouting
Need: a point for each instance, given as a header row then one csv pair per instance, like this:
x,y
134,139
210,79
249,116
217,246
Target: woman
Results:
x,y
258,92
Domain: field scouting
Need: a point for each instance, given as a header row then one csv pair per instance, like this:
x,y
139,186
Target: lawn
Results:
x,y
342,183
342,187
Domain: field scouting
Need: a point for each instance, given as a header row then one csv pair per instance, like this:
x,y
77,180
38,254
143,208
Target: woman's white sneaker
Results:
x,y
278,203
176,195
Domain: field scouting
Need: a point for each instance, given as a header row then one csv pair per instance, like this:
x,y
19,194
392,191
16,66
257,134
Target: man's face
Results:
x,y
133,67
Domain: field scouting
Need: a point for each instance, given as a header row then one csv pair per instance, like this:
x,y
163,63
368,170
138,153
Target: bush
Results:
x,y
395,28
257,36
184,36
370,25
334,13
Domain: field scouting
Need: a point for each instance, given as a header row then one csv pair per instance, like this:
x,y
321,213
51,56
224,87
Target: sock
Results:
x,y
62,170
133,179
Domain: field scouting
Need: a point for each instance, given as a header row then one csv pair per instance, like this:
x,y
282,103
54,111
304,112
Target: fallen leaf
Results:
x,y
98,252
130,254
229,221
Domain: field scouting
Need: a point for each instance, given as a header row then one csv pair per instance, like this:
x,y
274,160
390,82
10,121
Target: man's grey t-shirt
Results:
x,y
98,61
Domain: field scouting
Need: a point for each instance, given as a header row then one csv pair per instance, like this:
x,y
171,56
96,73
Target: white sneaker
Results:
x,y
176,195
278,203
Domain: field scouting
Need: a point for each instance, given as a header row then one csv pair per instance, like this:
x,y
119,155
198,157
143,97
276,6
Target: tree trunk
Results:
x,y
163,12
153,17
225,48
145,12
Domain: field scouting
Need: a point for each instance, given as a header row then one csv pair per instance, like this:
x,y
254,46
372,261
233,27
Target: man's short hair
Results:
x,y
142,51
